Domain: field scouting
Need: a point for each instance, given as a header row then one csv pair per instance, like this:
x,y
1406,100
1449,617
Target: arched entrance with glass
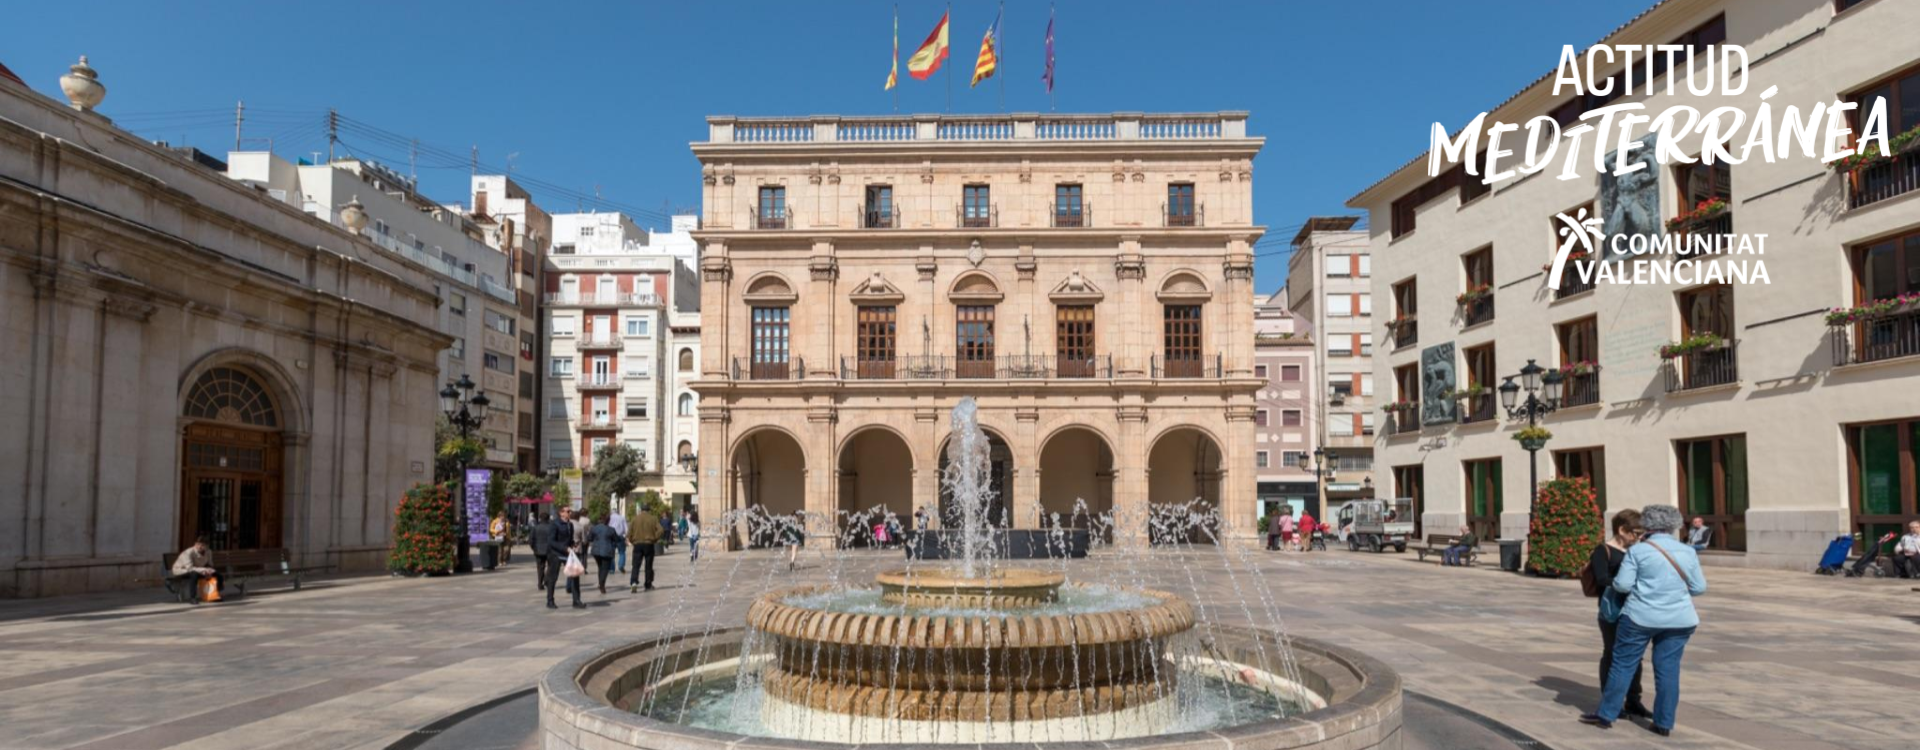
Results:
x,y
768,473
999,479
1183,477
1076,479
231,462
876,478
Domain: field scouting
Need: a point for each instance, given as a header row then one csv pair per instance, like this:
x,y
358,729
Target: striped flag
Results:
x,y
1048,75
893,73
932,52
984,67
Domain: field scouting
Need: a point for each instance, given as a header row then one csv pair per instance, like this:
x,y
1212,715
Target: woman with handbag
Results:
x,y
1596,580
1660,577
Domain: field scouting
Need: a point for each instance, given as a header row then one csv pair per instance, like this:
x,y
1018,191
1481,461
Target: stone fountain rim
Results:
x,y
564,701
950,578
771,613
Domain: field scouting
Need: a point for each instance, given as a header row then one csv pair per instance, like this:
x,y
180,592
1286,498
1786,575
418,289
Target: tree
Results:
x,y
1565,527
562,495
496,494
424,526
616,471
451,453
523,485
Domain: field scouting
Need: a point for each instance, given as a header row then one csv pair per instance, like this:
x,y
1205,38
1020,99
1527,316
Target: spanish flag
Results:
x,y
931,53
983,68
893,73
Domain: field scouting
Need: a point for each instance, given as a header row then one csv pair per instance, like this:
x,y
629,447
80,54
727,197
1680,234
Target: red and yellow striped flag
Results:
x,y
931,53
893,73
983,67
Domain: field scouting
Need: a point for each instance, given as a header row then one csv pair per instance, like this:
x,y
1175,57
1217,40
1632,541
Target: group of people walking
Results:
x,y
559,544
1285,533
1645,578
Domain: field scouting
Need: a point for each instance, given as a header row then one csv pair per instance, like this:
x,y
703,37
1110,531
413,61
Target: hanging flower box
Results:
x,y
1533,438
1869,155
1840,316
1703,212
1474,294
1695,343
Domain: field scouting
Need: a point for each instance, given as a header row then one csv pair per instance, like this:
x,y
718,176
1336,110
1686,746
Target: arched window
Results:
x,y
225,394
686,405
686,360
685,452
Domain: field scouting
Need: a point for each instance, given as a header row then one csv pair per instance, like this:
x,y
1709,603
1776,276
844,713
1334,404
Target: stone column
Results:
x,y
1026,462
1130,470
717,307
1234,310
926,477
821,305
718,490
823,474
117,466
1133,344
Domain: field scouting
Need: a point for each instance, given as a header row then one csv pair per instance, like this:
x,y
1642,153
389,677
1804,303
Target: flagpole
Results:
x,y
949,62
896,56
997,46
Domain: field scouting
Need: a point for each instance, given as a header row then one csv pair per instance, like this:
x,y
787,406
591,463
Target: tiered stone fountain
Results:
x,y
973,653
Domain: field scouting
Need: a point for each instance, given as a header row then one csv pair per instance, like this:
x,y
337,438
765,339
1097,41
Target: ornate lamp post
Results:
x,y
1321,471
466,409
1543,397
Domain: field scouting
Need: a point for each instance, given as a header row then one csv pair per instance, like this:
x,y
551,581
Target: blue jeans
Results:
x,y
1455,555
1630,644
623,557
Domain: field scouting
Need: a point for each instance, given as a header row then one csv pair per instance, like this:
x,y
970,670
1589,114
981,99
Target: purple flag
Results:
x,y
1048,76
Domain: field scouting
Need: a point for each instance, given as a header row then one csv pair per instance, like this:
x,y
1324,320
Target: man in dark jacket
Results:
x,y
645,531
602,543
541,538
562,542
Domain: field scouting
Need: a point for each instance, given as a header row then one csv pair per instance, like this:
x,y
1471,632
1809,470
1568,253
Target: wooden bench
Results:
x,y
237,568
1437,543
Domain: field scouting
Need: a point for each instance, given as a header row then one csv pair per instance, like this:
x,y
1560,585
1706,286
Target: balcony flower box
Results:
x,y
1703,212
1696,343
1583,367
1533,438
1840,316
1574,256
1869,155
1474,294
1469,392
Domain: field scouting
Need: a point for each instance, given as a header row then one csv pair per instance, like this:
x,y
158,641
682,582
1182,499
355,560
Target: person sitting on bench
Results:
x,y
1700,536
1906,553
195,564
1457,554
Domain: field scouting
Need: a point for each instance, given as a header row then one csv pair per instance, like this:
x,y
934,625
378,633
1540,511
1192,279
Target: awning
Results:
x,y
678,486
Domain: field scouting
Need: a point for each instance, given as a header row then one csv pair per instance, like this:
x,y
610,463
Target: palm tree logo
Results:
x,y
1578,231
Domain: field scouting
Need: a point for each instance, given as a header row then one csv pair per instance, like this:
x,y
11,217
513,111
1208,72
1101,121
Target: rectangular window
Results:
x,y
973,341
770,342
1404,327
637,408
1180,206
639,326
976,207
1184,341
879,209
1579,361
560,451
1340,424
560,367
1586,463
1289,373
458,349
1341,390
773,207
1260,459
602,410
1477,297
1290,418
1366,344
1700,182
1483,497
1073,339
1366,423
1482,373
1713,487
1293,458
557,407
563,325
594,445
1260,371
502,323
1366,384
1366,303
1885,493
1339,305
1366,266
1069,209
456,303
874,337
638,368
498,362
1339,345
1883,271
1260,418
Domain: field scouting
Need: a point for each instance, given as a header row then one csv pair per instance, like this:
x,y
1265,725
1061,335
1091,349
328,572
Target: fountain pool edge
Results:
x,y
580,697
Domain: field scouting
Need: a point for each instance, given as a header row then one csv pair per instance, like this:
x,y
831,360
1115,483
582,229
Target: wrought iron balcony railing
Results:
x,y
1881,337
1893,177
765,368
1703,368
771,218
1201,366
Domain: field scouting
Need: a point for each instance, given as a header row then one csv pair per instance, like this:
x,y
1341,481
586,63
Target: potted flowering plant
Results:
x,y
1582,367
1474,294
1870,155
1475,390
1573,256
1402,320
1691,344
1702,212
1840,316
1533,437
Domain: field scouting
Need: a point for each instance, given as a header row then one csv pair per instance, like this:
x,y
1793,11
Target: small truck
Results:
x,y
1380,523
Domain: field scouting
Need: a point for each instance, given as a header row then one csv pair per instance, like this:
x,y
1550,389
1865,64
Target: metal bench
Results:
x,y
1437,543
238,568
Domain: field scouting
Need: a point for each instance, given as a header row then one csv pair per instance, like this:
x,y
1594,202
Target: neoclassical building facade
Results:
x,y
1087,278
188,356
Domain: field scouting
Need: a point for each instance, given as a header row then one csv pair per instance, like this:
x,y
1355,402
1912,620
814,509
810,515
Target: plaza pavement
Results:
x,y
1783,660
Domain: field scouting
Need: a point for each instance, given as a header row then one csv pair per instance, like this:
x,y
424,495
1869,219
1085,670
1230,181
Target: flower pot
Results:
x,y
1533,444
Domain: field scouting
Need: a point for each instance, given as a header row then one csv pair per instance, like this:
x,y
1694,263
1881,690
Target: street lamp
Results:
x,y
1543,397
466,409
1321,470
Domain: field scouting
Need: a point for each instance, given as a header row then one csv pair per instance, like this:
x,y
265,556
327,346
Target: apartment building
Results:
x,y
479,307
1286,410
1087,278
1330,290
1745,404
621,316
517,227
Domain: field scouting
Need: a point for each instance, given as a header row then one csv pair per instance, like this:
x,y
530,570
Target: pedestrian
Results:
x,y
1286,528
580,526
497,532
1906,552
541,540
1456,554
195,564
563,543
1273,530
666,531
619,523
1604,566
692,521
680,525
1307,527
1700,536
646,532
1660,577
602,542
793,534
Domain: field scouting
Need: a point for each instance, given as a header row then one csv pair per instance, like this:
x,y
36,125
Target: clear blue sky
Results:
x,y
609,94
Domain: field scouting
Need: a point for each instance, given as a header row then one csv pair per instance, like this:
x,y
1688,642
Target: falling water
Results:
x,y
966,482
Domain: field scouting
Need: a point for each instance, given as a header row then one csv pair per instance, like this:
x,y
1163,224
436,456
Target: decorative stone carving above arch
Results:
x,y
1076,289
975,287
769,288
1184,286
876,290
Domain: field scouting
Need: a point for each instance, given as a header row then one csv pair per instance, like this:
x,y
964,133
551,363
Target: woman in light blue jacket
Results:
x,y
1660,577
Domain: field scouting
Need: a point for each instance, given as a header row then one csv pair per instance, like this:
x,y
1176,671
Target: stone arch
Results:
x,y
238,412
1183,285
770,287
1185,463
768,471
1076,464
875,466
279,383
1003,466
686,405
975,287
686,359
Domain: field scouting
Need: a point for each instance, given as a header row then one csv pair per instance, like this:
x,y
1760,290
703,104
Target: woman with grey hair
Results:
x,y
1660,577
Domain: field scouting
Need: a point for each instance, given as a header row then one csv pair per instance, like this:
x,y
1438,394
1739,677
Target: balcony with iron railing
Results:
x,y
1187,216
1703,368
1477,310
598,340
621,299
1580,388
764,368
1405,331
1202,366
880,217
1478,408
1403,417
1883,179
1876,337
1575,278
1070,216
803,131
592,381
977,217
770,218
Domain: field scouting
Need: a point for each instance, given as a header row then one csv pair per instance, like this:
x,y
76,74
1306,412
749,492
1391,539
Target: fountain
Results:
x,y
972,651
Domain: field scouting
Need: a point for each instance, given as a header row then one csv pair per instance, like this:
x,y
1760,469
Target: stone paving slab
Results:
x,y
1782,660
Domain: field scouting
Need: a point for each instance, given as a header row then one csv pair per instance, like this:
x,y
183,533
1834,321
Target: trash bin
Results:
x,y
1510,555
489,555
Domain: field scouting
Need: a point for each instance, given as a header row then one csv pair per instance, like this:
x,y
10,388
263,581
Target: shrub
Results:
x,y
1565,528
423,531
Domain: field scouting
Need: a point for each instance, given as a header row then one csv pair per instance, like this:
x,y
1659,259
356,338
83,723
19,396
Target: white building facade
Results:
x,y
1285,410
1329,289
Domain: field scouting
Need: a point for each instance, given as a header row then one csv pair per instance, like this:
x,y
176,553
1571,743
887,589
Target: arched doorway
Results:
x,y
999,480
876,478
231,459
1076,479
1183,467
769,472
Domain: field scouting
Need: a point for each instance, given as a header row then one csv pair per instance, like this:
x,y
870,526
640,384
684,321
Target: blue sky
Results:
x,y
605,96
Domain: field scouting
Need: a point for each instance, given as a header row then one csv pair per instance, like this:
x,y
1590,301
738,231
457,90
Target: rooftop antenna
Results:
x,y
413,158
333,132
473,162
239,118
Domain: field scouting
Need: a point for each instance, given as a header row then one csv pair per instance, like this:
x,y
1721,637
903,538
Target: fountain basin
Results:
x,y
587,701
999,589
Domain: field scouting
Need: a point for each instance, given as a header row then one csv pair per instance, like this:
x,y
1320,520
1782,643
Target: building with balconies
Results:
x,y
1748,405
516,226
1284,358
1329,289
1087,278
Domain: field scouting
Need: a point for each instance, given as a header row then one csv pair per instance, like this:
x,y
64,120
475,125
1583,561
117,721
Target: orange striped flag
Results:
x,y
931,53
984,67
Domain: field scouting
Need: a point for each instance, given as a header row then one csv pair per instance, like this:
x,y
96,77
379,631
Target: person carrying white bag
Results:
x,y
563,539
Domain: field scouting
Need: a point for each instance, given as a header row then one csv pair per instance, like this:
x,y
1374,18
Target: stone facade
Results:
x,y
894,265
152,306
